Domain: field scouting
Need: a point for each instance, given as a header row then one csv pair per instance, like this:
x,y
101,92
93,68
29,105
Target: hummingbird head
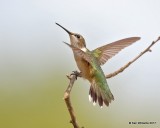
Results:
x,y
76,39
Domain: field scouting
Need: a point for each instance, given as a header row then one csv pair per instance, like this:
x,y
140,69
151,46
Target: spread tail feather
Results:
x,y
103,96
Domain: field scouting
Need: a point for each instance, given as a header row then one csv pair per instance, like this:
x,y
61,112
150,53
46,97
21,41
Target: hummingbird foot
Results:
x,y
76,73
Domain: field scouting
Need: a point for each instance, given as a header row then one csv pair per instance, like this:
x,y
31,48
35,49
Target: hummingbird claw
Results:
x,y
76,73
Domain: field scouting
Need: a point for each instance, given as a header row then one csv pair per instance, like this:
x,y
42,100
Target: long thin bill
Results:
x,y
64,28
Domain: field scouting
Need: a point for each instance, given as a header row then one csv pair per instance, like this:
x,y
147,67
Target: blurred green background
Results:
x,y
34,63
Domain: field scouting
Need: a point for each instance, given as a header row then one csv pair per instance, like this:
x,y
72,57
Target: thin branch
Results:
x,y
72,77
129,63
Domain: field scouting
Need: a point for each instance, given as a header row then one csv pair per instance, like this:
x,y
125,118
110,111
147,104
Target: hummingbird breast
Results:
x,y
84,67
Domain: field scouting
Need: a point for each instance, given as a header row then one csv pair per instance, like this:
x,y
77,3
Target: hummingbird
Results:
x,y
90,62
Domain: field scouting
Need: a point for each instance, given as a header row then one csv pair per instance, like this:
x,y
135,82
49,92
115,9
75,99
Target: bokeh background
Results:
x,y
34,62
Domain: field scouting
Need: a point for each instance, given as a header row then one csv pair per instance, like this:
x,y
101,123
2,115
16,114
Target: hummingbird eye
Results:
x,y
78,36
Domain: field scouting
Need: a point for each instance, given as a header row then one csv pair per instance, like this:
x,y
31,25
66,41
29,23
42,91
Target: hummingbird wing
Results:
x,y
80,53
104,53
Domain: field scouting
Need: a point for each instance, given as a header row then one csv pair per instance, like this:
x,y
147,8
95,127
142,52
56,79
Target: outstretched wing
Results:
x,y
108,51
80,53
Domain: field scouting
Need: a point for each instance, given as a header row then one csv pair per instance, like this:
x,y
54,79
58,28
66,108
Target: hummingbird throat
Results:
x,y
84,49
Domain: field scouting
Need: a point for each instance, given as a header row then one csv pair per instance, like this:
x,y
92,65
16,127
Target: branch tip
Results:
x,y
69,77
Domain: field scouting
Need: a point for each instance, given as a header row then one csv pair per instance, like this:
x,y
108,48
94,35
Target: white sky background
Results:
x,y
27,27
29,39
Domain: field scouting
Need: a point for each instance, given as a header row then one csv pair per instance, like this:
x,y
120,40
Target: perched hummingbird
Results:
x,y
89,64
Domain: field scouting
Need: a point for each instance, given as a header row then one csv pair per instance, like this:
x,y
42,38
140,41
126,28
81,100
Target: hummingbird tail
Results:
x,y
100,95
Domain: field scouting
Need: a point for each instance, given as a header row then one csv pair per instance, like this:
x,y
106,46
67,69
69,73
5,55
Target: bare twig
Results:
x,y
129,63
72,77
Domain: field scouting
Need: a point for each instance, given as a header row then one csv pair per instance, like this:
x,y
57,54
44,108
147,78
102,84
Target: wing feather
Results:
x,y
106,52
